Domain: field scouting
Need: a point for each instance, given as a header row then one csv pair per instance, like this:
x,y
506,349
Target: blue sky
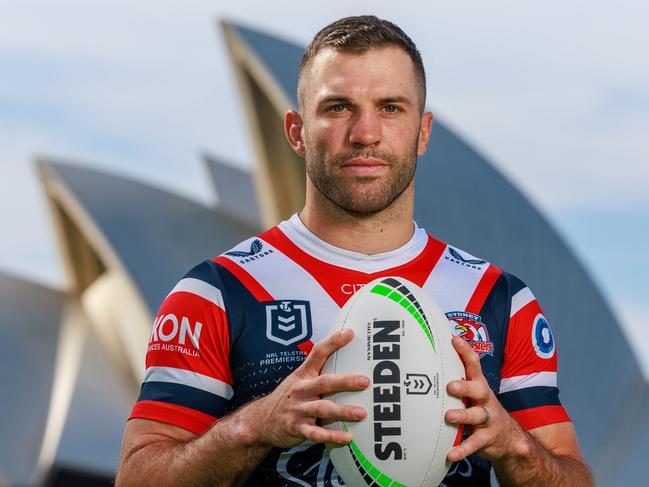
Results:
x,y
555,94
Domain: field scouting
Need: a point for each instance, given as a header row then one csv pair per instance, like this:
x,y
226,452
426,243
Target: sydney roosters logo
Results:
x,y
470,327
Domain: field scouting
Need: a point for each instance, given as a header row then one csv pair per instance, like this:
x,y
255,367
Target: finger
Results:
x,y
330,383
325,422
468,447
318,434
475,416
476,390
469,357
330,410
323,349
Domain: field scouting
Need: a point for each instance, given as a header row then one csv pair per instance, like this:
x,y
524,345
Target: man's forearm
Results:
x,y
532,465
224,455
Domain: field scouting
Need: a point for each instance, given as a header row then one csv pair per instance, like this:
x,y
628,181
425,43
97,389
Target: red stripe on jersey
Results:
x,y
256,289
212,357
186,418
520,356
540,416
482,290
306,347
458,436
250,283
419,268
333,278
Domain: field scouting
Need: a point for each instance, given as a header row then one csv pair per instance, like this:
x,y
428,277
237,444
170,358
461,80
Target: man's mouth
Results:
x,y
364,166
364,161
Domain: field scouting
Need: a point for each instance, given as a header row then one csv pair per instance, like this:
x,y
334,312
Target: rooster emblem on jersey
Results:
x,y
470,327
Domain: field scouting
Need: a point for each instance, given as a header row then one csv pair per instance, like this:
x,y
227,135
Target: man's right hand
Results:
x,y
295,411
155,453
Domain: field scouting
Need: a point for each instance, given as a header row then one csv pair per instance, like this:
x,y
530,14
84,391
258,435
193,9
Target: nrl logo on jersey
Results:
x,y
458,259
288,322
256,252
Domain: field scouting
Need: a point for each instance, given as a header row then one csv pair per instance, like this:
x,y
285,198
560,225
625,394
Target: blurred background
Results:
x,y
554,95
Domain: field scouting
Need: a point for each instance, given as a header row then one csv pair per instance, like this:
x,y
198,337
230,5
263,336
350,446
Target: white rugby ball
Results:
x,y
402,342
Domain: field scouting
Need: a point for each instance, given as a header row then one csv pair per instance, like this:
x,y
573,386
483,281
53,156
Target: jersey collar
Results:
x,y
301,236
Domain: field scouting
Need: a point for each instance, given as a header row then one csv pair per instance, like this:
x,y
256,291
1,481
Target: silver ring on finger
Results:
x,y
487,416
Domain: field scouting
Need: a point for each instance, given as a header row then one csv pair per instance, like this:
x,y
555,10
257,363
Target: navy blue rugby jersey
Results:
x,y
235,326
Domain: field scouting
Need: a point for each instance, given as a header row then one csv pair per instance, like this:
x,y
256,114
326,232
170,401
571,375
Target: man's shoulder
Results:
x,y
210,269
216,278
456,259
252,258
253,248
463,259
240,261
465,265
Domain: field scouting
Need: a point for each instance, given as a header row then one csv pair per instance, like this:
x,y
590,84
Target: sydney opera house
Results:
x,y
72,359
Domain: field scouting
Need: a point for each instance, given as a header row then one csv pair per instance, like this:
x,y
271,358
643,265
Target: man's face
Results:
x,y
362,127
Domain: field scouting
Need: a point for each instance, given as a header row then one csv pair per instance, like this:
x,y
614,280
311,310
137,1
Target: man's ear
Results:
x,y
424,132
293,130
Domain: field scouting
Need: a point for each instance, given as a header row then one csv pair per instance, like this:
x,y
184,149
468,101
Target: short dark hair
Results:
x,y
359,34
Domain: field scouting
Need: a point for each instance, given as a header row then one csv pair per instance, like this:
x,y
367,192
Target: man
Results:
x,y
230,397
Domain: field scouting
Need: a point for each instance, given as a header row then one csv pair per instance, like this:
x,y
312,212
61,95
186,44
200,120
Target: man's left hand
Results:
x,y
493,429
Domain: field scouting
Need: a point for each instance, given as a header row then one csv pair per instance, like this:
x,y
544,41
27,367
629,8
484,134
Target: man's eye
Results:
x,y
337,108
391,108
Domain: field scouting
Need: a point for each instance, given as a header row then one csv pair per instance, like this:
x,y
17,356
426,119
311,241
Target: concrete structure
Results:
x,y
124,244
32,332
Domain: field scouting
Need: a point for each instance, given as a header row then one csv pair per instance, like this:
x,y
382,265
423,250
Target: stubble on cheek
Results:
x,y
359,194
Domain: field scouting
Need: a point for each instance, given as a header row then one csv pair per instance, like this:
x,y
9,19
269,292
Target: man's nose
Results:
x,y
366,129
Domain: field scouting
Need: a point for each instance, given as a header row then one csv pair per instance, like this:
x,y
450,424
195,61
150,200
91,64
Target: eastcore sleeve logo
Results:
x,y
256,252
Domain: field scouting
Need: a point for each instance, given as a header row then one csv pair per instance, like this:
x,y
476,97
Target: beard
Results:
x,y
361,194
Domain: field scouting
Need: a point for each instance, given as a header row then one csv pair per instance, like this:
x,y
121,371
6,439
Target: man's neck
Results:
x,y
367,234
